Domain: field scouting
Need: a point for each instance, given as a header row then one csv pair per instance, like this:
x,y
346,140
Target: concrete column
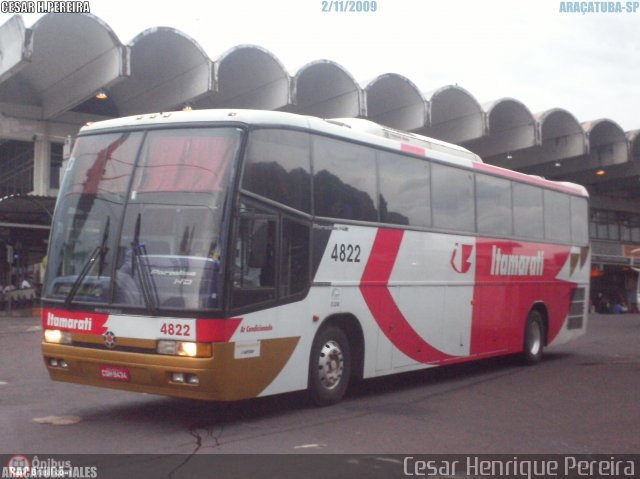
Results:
x,y
41,165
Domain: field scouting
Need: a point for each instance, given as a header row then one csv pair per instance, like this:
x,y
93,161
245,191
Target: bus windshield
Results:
x,y
138,221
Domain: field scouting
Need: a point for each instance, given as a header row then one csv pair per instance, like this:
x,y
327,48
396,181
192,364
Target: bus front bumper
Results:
x,y
222,377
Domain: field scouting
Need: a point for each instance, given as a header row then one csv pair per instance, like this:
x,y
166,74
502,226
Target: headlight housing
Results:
x,y
57,336
184,348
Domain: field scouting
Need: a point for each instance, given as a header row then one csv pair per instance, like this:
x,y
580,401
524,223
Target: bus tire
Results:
x,y
533,338
329,366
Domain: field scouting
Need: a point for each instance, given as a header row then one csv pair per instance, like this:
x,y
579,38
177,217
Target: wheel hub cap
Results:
x,y
331,365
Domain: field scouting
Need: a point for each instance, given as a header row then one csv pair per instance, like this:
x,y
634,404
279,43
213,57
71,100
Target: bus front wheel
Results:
x,y
329,366
533,338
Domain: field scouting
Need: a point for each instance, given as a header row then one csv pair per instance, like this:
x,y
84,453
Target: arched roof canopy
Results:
x,y
455,115
73,57
623,180
168,70
325,89
561,134
249,76
560,137
394,101
17,47
634,145
618,155
511,127
50,72
607,144
608,154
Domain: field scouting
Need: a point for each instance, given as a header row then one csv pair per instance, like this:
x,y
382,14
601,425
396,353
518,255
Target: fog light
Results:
x,y
57,363
57,336
177,378
193,379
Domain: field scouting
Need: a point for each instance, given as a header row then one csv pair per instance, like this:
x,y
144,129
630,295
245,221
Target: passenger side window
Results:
x,y
453,198
345,183
494,205
527,211
405,198
579,221
277,166
557,217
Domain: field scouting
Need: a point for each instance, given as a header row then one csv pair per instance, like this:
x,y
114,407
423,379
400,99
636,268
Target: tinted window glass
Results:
x,y
494,205
277,167
579,221
194,160
404,190
170,252
90,203
254,264
294,277
344,181
527,211
557,216
453,198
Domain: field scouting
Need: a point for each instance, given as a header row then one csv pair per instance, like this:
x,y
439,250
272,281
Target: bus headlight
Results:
x,y
184,348
57,336
187,349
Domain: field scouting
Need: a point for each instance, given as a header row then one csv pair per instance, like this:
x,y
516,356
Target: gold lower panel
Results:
x,y
222,377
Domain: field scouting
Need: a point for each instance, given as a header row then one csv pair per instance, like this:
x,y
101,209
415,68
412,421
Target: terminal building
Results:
x,y
70,69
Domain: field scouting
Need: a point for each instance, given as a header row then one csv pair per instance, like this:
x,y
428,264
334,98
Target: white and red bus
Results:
x,y
226,255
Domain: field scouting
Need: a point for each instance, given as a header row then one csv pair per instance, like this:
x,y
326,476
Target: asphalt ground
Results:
x,y
582,399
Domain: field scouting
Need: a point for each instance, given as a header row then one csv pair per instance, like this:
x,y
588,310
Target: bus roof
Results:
x,y
355,129
372,128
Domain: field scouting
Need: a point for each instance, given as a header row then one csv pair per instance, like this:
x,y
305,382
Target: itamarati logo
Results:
x,y
20,466
503,264
85,324
461,258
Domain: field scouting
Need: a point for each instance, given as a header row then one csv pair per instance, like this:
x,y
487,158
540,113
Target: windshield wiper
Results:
x,y
100,250
140,264
103,246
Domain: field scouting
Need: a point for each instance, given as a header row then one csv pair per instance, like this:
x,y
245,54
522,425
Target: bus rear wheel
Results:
x,y
533,338
329,366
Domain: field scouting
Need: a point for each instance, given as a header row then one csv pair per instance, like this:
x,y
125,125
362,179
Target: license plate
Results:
x,y
115,373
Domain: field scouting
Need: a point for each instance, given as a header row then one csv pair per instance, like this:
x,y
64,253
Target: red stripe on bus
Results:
x,y
502,299
216,330
416,150
375,290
